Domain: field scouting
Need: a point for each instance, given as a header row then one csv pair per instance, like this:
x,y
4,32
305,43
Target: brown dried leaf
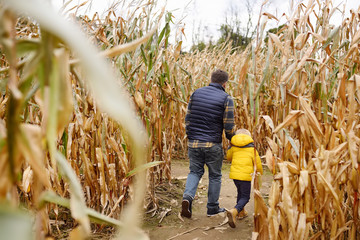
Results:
x,y
303,181
30,145
305,57
337,204
286,198
301,227
104,198
27,179
311,118
353,148
277,41
270,160
290,119
288,73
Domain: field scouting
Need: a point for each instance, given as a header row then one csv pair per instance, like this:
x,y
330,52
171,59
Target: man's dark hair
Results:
x,y
219,76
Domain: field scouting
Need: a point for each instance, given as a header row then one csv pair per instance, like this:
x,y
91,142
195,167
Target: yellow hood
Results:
x,y
241,140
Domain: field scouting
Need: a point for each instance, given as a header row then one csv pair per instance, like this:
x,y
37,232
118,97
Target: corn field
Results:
x,y
312,72
85,121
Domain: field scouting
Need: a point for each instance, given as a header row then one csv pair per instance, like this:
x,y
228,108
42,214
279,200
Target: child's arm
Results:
x,y
258,163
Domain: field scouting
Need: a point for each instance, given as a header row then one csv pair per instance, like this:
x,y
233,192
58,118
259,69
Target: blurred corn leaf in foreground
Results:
x,y
15,223
41,78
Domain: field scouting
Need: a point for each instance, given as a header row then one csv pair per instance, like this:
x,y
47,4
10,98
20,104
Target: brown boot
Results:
x,y
242,214
186,208
231,214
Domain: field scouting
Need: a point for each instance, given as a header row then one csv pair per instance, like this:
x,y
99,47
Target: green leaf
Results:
x,y
25,46
331,36
124,147
94,216
143,167
162,33
77,200
143,55
64,140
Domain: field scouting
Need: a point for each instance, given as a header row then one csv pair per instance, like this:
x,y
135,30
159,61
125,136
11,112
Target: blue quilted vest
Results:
x,y
206,114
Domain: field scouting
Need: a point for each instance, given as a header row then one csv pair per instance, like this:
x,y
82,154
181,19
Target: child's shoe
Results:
x,y
242,214
231,214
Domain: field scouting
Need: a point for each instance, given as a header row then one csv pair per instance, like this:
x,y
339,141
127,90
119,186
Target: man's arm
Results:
x,y
229,121
187,116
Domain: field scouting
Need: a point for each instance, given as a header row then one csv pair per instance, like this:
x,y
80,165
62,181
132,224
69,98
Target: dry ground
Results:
x,y
167,223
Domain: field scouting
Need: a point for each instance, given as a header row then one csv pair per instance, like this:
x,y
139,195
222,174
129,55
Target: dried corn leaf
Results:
x,y
289,120
288,73
27,179
292,167
353,143
30,145
303,181
70,141
311,118
104,198
273,224
270,160
277,41
286,198
121,156
301,227
355,38
337,205
269,121
306,56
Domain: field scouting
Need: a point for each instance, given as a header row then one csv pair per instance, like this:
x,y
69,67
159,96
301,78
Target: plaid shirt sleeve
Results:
x,y
229,121
187,116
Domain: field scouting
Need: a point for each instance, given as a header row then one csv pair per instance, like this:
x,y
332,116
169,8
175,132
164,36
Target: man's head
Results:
x,y
219,76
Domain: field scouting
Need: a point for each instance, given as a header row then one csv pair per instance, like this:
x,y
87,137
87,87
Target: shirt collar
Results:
x,y
217,85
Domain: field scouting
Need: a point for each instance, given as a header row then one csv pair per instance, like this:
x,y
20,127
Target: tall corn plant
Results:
x,y
146,74
37,74
314,151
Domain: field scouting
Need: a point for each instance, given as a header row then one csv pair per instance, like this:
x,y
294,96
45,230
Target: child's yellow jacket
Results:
x,y
242,165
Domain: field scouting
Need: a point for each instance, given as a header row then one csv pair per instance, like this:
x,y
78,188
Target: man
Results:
x,y
210,111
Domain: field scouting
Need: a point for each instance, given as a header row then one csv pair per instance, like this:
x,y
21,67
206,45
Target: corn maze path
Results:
x,y
200,227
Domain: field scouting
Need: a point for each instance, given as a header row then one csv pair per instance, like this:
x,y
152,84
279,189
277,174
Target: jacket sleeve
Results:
x,y
258,163
187,116
229,154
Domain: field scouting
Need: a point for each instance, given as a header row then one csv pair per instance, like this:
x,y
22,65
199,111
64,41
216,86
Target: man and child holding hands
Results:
x,y
210,111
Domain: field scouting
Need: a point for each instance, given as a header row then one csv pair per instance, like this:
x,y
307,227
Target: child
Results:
x,y
241,155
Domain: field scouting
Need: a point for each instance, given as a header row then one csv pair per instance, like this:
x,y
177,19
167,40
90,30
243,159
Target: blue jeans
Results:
x,y
243,193
213,158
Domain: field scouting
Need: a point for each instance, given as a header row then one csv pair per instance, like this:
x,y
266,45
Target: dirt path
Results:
x,y
201,227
